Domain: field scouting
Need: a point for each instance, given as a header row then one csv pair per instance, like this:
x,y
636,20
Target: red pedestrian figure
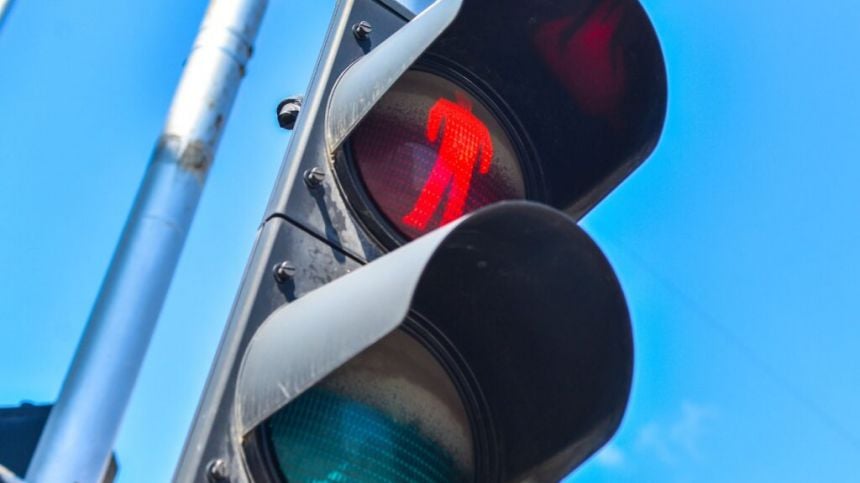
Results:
x,y
464,138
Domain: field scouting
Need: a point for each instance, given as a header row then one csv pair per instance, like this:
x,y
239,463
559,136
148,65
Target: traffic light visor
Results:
x,y
541,365
583,80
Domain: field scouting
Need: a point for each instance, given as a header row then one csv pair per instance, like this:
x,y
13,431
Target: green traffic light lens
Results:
x,y
323,436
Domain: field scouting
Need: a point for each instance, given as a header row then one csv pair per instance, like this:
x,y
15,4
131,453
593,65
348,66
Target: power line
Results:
x,y
709,320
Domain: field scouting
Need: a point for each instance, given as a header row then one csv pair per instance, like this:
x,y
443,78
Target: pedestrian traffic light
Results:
x,y
420,304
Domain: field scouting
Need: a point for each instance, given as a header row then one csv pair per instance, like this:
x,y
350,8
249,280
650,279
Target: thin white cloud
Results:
x,y
688,430
611,456
652,439
678,438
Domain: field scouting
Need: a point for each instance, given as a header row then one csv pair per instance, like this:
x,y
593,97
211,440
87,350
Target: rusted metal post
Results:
x,y
79,435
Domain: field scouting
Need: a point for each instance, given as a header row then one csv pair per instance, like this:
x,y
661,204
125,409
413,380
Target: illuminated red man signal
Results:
x,y
464,139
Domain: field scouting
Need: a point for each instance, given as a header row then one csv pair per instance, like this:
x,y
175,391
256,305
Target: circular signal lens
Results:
x,y
322,436
430,152
389,414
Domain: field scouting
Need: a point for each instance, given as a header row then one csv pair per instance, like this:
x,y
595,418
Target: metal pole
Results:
x,y
80,432
5,7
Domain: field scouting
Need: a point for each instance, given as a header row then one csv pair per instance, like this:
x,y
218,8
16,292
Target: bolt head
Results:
x,y
314,177
283,271
217,470
288,112
362,30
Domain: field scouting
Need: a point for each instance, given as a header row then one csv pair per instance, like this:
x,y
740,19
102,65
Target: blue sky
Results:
x,y
736,242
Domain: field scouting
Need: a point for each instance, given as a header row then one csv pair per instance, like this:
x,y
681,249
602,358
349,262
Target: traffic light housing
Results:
x,y
374,331
20,430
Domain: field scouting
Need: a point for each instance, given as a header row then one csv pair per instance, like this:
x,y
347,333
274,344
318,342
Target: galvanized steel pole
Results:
x,y
5,7
79,435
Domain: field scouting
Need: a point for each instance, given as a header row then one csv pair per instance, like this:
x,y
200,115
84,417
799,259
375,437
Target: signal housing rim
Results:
x,y
365,209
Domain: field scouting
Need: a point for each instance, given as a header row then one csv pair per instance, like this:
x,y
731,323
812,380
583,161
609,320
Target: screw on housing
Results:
x,y
288,111
362,30
217,470
314,177
283,271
